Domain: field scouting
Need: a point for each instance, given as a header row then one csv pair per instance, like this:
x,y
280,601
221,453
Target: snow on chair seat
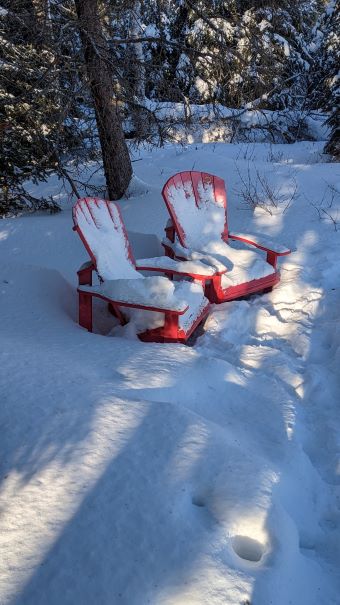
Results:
x,y
186,301
198,230
140,292
167,311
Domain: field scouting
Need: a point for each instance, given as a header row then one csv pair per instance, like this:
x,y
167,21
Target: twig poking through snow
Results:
x,y
328,211
256,191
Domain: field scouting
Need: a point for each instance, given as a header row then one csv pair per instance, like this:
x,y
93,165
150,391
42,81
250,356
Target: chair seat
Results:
x,y
243,265
148,291
183,296
190,295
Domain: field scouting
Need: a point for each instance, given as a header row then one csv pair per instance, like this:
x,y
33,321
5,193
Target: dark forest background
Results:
x,y
80,77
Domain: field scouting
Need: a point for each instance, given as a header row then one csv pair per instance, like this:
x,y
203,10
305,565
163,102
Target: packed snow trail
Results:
x,y
141,473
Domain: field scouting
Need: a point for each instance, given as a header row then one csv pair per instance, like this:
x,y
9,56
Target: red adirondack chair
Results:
x,y
175,307
198,230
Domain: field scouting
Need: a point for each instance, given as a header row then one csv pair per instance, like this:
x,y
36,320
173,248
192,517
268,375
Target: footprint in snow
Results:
x,y
247,548
198,501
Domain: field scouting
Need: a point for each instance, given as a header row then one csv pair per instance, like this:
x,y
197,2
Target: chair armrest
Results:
x,y
85,273
188,254
118,292
195,269
261,242
88,265
170,232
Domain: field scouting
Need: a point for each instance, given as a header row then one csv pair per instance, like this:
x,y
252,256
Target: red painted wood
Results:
x,y
170,332
127,243
165,193
272,258
169,251
221,196
115,310
170,232
171,325
213,288
196,179
249,241
184,179
85,311
215,293
158,335
85,301
85,276
76,228
166,333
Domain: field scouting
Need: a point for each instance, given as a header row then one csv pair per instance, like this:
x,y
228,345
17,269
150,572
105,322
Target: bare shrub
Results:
x,y
274,156
327,209
256,191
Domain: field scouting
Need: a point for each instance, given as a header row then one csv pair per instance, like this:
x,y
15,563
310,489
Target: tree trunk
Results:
x,y
116,159
135,70
135,53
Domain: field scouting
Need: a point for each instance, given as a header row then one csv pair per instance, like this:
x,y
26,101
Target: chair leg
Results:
x,y
272,258
116,312
171,325
85,311
212,289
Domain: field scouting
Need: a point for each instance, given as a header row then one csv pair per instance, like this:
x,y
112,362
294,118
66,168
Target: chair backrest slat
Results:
x,y
100,226
197,204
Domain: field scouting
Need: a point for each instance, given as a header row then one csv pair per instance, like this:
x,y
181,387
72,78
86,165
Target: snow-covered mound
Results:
x,y
137,473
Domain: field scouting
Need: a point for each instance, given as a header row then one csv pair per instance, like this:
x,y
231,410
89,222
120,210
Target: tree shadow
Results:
x,y
129,532
133,533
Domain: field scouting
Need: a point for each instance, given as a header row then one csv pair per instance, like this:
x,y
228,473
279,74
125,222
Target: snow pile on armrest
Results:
x,y
261,240
156,292
165,262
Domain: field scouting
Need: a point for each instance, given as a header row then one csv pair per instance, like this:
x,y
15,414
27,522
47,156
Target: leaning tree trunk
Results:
x,y
116,159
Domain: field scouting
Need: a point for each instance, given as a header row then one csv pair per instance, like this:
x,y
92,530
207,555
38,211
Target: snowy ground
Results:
x,y
138,473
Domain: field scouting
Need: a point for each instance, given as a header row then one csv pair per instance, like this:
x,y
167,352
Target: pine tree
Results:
x,y
31,107
332,80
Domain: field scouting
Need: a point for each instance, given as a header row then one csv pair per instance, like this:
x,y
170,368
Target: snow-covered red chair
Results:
x,y
198,230
168,311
